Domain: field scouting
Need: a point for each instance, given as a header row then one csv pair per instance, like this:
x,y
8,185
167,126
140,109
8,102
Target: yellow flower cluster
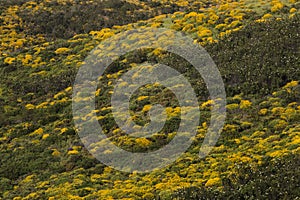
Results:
x,y
277,5
62,50
146,108
9,60
245,104
213,182
143,142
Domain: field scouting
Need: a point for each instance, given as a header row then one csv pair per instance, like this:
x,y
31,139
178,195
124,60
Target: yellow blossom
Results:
x,y
143,142
204,33
244,104
55,153
276,7
267,16
73,152
28,179
140,98
29,106
27,59
38,131
68,89
213,181
263,111
147,108
280,125
277,153
96,177
293,10
291,84
45,136
206,104
63,130
9,60
97,93
59,95
277,110
62,50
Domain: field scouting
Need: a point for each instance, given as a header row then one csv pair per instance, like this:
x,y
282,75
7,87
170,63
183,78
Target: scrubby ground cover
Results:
x,y
255,45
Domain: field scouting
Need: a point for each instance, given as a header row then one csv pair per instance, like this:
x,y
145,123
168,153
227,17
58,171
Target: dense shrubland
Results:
x,y
255,46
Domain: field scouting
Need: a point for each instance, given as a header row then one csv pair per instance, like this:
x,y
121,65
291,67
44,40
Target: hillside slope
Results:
x,y
255,47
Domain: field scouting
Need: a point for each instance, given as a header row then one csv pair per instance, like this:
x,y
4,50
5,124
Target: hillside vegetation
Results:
x,y
255,45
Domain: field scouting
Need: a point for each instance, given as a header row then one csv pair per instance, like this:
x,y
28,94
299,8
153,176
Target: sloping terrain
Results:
x,y
255,45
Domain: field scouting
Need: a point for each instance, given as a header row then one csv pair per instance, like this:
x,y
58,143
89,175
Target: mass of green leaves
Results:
x,y
255,47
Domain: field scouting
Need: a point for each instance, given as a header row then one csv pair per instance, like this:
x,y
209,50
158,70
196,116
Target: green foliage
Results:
x,y
257,155
278,180
253,60
83,17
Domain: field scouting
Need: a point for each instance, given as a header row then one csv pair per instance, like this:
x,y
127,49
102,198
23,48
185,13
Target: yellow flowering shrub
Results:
x,y
45,136
31,196
190,15
143,142
245,104
42,105
278,153
141,98
221,26
291,84
38,131
293,10
62,50
223,34
55,153
97,93
292,15
9,60
263,111
245,159
230,128
96,177
288,114
103,34
30,106
204,33
73,152
26,59
234,24
110,184
59,95
277,6
63,130
293,104
246,124
68,89
213,17
213,182
237,98
157,52
188,27
19,43
258,134
146,108
207,104
28,178
281,125
277,110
